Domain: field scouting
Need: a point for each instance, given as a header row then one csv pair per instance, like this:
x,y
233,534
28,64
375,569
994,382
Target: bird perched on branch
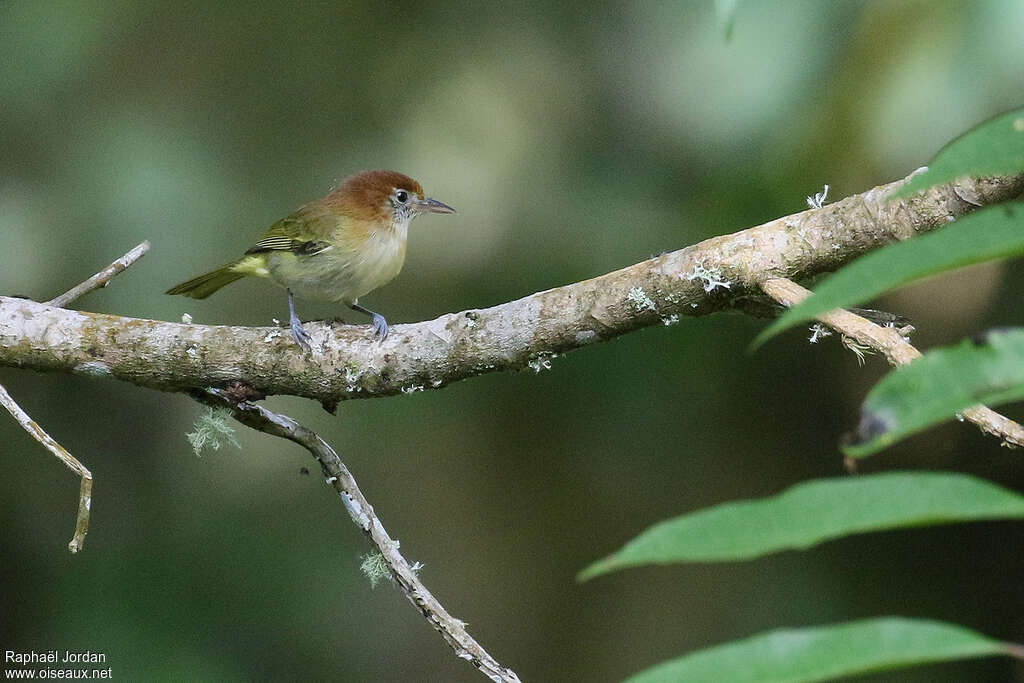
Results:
x,y
336,248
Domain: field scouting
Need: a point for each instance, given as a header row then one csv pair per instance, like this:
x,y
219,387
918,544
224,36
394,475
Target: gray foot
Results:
x,y
300,335
380,327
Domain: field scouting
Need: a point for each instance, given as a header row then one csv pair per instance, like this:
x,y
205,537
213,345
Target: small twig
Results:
x,y
897,350
101,278
85,492
98,280
341,480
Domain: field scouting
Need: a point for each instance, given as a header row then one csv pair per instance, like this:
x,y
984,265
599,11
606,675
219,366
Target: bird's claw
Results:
x,y
299,333
380,327
300,336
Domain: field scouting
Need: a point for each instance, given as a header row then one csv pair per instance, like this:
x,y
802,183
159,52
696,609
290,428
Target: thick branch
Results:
x,y
426,355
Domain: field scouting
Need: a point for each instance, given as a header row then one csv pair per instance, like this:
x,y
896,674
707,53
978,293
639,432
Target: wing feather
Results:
x,y
295,234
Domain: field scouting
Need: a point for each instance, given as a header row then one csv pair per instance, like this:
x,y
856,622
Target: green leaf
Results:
x,y
938,385
808,514
995,147
825,653
995,232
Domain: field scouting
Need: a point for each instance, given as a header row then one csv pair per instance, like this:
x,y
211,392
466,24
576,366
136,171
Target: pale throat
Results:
x,y
395,235
384,251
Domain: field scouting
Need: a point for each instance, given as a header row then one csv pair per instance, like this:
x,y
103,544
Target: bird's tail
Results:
x,y
206,284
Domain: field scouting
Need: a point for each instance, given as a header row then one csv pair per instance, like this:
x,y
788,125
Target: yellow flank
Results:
x,y
254,264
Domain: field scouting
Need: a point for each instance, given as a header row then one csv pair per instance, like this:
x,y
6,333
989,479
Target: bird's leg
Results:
x,y
380,325
298,332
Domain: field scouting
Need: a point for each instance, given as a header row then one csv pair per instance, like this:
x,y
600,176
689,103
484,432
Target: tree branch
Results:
x,y
40,435
98,280
102,278
897,350
431,354
359,509
719,273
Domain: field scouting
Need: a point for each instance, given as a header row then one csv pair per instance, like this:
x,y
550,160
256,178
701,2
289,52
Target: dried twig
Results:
x,y
341,480
897,350
101,278
85,491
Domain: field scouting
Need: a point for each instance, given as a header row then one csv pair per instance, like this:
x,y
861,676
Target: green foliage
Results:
x,y
810,513
939,384
826,652
725,12
992,148
212,428
929,390
991,233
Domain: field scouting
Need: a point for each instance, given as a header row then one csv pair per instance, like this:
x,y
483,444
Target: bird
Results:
x,y
336,248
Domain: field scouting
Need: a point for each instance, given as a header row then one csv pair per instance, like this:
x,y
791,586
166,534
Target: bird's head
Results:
x,y
384,196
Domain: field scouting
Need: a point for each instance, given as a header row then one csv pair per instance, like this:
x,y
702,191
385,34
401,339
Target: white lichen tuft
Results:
x,y
670,320
352,376
412,388
818,199
541,361
711,277
212,429
819,332
375,568
639,300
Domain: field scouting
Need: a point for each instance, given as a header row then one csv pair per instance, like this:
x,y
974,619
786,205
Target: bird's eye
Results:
x,y
402,196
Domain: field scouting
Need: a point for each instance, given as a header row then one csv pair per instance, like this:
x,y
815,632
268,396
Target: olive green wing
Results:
x,y
297,233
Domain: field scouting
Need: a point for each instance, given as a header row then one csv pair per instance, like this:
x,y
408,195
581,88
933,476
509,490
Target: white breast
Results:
x,y
337,274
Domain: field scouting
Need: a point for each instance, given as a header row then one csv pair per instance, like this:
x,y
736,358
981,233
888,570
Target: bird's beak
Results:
x,y
429,205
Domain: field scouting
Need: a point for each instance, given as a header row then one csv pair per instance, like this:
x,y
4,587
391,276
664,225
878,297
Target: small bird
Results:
x,y
336,248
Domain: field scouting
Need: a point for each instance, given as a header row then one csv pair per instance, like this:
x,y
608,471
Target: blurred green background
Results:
x,y
574,139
